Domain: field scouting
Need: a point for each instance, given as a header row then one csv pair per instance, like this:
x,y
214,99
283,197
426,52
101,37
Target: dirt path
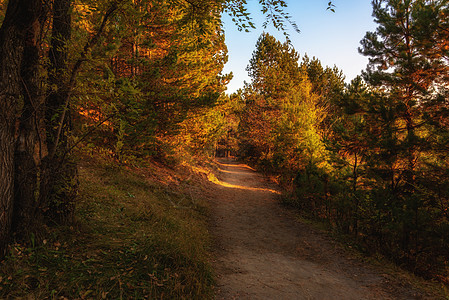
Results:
x,y
262,252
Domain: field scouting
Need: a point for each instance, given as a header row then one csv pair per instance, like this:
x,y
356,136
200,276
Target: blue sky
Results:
x,y
333,38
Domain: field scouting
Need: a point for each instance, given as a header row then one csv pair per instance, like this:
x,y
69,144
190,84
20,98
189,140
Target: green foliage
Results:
x,y
274,11
411,74
155,70
327,84
201,131
384,141
280,123
274,68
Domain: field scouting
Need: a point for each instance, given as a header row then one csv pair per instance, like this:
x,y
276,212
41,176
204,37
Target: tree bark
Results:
x,y
27,153
59,182
20,16
58,186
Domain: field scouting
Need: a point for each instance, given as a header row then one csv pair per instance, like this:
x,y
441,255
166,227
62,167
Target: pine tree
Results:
x,y
409,70
407,67
281,118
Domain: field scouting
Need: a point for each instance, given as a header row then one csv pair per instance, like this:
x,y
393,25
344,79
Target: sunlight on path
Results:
x,y
237,165
245,169
235,186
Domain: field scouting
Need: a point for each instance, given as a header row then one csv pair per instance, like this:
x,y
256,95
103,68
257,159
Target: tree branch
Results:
x,y
89,45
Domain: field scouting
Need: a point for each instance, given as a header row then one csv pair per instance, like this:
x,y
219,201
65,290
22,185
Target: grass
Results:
x,y
134,238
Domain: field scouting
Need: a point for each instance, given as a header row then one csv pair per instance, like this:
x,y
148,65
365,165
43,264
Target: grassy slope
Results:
x,y
140,233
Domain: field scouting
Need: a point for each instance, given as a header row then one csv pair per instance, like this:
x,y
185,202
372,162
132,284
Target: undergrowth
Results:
x,y
134,238
431,288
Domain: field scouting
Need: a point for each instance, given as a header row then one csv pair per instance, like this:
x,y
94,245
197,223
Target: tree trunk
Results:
x,y
28,150
59,177
59,182
356,197
20,16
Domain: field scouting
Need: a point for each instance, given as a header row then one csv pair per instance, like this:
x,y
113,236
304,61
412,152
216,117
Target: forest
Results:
x,y
140,82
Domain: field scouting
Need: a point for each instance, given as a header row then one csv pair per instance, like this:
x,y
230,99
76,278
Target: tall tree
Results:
x,y
328,84
281,119
16,34
58,178
408,66
24,112
27,159
275,74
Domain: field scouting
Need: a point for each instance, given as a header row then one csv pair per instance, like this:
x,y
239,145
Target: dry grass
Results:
x,y
140,234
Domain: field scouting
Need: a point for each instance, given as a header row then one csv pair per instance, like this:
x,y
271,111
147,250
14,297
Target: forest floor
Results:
x,y
263,251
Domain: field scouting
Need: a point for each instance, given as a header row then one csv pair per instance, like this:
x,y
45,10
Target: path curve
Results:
x,y
262,252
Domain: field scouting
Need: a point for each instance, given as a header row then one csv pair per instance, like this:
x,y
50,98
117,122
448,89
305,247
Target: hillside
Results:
x,y
139,232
